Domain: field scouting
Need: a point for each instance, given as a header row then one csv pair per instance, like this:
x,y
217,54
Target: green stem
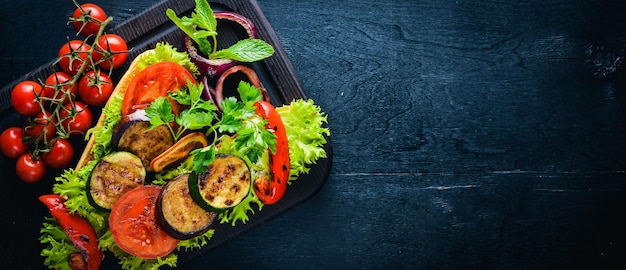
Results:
x,y
214,49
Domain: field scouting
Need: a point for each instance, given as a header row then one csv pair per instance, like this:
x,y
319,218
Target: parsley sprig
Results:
x,y
238,117
200,113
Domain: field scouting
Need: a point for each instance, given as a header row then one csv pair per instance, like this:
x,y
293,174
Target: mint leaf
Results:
x,y
246,50
186,24
204,17
202,27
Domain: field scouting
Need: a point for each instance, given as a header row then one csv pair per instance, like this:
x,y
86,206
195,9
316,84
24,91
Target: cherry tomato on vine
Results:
x,y
95,88
87,19
111,51
59,83
79,123
43,124
60,155
11,143
30,170
23,97
72,55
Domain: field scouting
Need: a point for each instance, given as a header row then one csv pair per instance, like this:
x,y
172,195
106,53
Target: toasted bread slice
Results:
x,y
120,88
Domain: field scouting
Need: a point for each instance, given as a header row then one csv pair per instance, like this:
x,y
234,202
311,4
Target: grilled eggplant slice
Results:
x,y
224,184
178,214
113,176
136,137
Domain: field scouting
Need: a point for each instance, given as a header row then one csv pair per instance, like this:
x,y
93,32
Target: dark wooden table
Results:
x,y
466,134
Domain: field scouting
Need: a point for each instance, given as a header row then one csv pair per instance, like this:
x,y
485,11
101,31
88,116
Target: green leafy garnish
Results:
x,y
202,29
200,114
164,52
304,124
58,248
238,117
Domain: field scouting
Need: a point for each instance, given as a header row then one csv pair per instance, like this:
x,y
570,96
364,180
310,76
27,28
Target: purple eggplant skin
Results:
x,y
178,214
135,136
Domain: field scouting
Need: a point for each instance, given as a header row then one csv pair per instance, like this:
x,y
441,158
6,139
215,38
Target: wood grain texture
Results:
x,y
466,135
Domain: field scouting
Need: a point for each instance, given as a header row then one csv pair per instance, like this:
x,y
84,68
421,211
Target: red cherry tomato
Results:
x,y
87,19
72,55
23,97
43,124
60,155
80,121
95,88
59,82
111,51
11,142
30,170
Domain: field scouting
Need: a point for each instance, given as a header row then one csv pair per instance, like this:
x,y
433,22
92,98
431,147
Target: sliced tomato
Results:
x,y
134,225
155,81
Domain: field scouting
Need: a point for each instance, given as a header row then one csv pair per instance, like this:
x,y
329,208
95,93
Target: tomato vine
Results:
x,y
53,106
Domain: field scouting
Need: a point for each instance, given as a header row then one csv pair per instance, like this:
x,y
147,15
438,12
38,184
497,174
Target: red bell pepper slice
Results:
x,y
77,228
270,191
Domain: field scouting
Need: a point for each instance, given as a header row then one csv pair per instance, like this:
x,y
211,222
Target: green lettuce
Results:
x,y
228,145
306,132
305,127
59,247
163,52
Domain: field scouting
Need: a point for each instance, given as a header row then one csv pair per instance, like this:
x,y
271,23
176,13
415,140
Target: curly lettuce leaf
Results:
x,y
72,185
163,52
240,212
228,145
128,261
305,126
58,246
196,242
104,133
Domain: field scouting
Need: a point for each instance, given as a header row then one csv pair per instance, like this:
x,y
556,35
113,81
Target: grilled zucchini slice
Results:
x,y
223,185
113,176
178,214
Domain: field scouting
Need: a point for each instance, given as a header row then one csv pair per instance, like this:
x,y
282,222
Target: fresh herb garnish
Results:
x,y
202,29
200,114
238,117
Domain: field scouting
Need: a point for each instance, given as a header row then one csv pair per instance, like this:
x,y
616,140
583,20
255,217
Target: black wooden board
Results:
x,y
19,244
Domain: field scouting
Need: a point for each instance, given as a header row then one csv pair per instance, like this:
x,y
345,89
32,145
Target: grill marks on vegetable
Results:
x,y
114,175
224,184
177,212
137,137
